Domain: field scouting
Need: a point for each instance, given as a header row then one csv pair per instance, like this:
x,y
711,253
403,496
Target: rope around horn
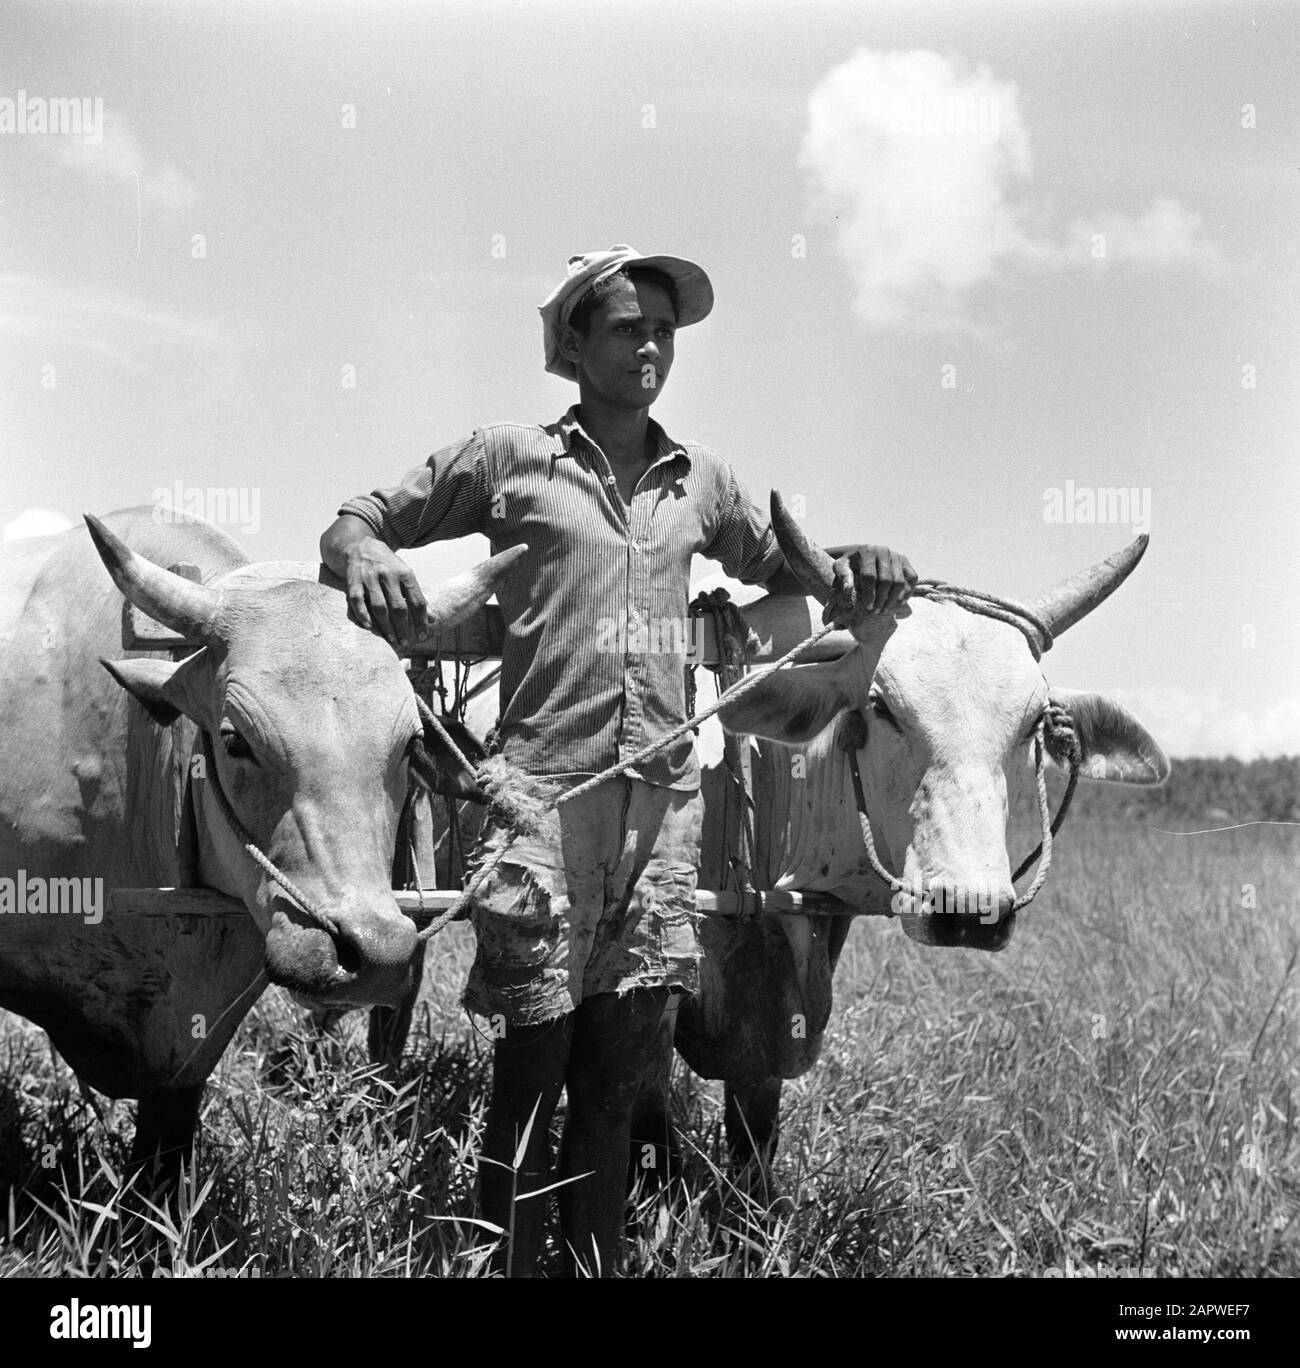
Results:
x,y
1035,631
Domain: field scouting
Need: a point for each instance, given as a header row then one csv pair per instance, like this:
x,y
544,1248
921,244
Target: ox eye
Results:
x,y
234,744
880,709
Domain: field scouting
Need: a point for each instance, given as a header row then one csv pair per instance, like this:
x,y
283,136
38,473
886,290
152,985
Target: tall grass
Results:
x,y
1115,1092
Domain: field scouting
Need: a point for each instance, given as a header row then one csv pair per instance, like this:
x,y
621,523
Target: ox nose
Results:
x,y
364,958
959,916
374,953
966,933
974,902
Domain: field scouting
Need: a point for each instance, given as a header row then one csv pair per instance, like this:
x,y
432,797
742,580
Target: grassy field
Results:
x,y
1116,1093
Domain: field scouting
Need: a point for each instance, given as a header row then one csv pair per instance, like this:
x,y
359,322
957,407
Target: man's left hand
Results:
x,y
870,582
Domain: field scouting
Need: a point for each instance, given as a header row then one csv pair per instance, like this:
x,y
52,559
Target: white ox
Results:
x,y
314,734
951,700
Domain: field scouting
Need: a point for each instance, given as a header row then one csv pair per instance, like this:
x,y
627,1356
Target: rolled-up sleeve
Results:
x,y
445,497
744,543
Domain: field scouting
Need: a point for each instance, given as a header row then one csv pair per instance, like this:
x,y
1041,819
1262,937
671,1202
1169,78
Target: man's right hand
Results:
x,y
384,595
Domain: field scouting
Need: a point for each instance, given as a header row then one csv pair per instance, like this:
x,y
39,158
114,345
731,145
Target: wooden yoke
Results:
x,y
141,633
779,621
422,907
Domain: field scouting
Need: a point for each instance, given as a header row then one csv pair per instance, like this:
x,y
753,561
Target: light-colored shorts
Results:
x,y
601,901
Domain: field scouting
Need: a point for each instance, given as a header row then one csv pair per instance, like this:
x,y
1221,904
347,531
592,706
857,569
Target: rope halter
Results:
x,y
1055,732
253,850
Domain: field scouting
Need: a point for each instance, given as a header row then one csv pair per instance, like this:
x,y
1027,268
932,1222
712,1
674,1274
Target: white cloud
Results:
x,y
1189,722
1166,235
120,157
35,522
124,330
923,166
919,196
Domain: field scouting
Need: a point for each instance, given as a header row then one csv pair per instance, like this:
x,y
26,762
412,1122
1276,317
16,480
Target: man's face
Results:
x,y
628,350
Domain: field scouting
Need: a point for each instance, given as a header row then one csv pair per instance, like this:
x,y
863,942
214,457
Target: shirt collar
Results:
x,y
665,448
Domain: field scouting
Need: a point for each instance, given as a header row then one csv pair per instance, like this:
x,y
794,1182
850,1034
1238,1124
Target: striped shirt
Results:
x,y
596,612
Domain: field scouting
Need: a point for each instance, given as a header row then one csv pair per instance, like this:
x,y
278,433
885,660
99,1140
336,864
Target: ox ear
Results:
x,y
437,768
789,705
1117,748
163,689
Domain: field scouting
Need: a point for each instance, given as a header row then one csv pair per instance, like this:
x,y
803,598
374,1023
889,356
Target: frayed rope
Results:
x,y
516,798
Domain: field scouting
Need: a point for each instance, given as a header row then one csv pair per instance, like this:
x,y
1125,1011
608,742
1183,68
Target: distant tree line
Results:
x,y
1211,791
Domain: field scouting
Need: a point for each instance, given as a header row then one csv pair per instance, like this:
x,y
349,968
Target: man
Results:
x,y
584,931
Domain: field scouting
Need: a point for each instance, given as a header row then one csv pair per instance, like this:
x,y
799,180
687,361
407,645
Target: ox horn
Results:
x,y
811,566
455,599
189,609
1061,606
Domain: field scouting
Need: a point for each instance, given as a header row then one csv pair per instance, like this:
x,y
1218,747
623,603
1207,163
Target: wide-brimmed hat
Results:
x,y
694,294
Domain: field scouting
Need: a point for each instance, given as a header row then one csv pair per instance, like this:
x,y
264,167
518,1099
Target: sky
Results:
x,y
975,265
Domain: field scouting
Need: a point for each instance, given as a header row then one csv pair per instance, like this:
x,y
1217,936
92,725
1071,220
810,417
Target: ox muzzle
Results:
x,y
363,959
952,916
